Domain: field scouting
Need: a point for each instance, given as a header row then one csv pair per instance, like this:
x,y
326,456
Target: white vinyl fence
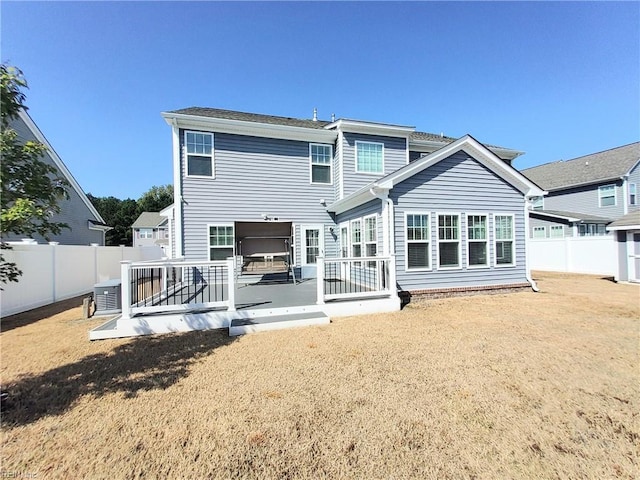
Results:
x,y
595,255
51,273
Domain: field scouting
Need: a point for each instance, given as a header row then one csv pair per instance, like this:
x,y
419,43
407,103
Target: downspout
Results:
x,y
531,281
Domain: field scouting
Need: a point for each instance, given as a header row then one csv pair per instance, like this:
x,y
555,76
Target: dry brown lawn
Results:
x,y
508,386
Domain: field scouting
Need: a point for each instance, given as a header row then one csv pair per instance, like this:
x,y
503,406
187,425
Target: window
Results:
x,y
537,203
320,156
448,241
221,241
311,245
199,154
556,231
166,233
146,233
477,239
591,229
356,238
503,225
607,194
633,198
539,232
369,157
417,237
344,241
370,239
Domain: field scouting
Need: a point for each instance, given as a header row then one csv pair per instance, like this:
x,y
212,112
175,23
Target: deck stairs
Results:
x,y
264,320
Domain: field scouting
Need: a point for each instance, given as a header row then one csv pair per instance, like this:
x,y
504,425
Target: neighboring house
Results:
x,y
585,193
149,229
86,224
453,212
627,238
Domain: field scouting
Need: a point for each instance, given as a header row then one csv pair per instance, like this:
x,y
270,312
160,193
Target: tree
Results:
x,y
119,214
31,188
156,199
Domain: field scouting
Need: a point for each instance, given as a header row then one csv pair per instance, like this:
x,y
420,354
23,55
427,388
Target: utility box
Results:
x,y
107,296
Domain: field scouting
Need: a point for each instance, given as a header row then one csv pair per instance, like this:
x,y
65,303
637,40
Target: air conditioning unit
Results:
x,y
107,297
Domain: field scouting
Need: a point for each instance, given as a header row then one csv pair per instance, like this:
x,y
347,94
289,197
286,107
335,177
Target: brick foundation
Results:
x,y
433,294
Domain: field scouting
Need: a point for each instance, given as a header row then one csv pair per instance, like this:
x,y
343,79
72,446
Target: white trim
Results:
x,y
553,215
178,231
513,240
438,241
539,228
187,154
370,128
351,242
330,164
364,235
340,146
486,240
615,195
209,247
248,128
406,150
635,194
303,242
429,242
355,157
24,116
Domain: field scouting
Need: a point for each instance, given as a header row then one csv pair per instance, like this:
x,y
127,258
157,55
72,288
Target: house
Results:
x,y
151,228
585,193
626,232
86,225
263,187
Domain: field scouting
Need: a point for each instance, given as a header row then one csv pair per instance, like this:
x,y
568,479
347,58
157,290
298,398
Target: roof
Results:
x,y
149,220
598,167
468,144
571,216
631,221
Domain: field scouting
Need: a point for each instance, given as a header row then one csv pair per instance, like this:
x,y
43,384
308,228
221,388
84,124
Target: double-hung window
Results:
x,y
356,239
607,195
477,240
221,241
418,237
504,238
369,157
370,238
199,148
448,241
344,241
320,157
633,196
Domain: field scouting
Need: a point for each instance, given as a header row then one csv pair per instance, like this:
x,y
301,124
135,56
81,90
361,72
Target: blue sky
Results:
x,y
556,80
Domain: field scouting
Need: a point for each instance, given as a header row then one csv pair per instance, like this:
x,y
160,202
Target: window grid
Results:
x,y
540,232
370,239
356,239
607,194
503,225
199,154
369,157
633,197
221,240
556,231
320,163
477,240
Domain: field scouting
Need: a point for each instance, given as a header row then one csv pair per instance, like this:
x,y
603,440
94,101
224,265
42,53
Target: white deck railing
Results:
x,y
355,277
176,285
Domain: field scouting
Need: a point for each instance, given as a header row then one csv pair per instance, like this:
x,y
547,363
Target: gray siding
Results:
x,y
634,177
458,184
395,157
586,200
253,176
373,207
74,212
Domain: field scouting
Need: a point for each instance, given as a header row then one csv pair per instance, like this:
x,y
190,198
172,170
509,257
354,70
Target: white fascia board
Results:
x,y
254,129
102,228
553,215
167,211
475,149
429,146
369,128
357,198
24,116
631,169
623,227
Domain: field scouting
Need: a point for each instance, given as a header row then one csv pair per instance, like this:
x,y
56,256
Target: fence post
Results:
x,y
392,276
320,280
231,281
125,288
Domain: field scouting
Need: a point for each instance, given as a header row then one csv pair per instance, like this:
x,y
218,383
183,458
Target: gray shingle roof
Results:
x,y
629,220
251,117
597,167
148,220
584,217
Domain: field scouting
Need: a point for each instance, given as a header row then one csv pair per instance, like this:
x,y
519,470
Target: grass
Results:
x,y
507,386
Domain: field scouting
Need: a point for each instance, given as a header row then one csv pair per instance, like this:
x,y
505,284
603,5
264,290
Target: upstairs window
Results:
x,y
607,194
369,157
504,238
633,198
448,241
221,241
537,203
146,233
320,156
199,147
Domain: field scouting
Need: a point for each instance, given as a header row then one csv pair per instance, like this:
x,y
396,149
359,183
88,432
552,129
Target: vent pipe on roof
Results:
x,y
333,117
315,114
